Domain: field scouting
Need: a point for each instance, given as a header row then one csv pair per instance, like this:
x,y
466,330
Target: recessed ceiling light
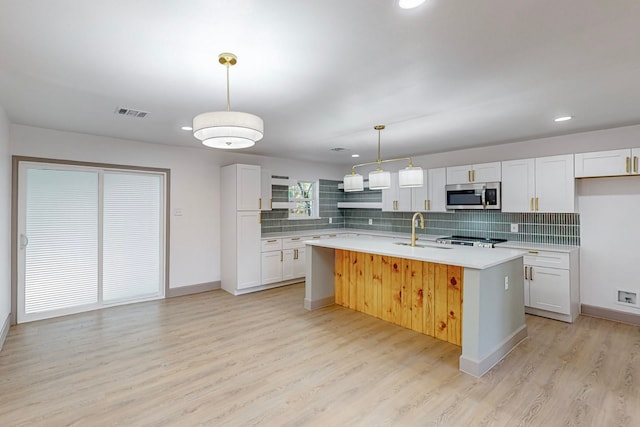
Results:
x,y
186,128
355,155
410,4
563,119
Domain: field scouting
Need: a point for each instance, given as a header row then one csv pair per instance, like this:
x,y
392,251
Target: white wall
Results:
x,y
610,233
195,186
5,220
608,139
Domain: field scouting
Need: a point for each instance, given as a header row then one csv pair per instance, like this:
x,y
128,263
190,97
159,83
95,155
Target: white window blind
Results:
x,y
61,260
132,218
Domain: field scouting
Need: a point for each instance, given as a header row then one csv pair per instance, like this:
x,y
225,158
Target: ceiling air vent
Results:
x,y
129,112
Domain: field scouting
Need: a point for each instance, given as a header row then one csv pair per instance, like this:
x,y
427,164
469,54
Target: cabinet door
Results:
x,y
436,181
486,172
459,174
420,195
555,184
248,248
299,263
265,190
518,185
549,289
635,161
248,187
272,267
394,198
287,264
603,163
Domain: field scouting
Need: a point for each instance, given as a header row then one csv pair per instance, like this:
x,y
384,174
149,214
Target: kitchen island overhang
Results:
x,y
493,319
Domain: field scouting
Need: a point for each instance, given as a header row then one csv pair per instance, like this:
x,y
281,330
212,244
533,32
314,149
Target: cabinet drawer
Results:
x,y
271,245
547,259
294,242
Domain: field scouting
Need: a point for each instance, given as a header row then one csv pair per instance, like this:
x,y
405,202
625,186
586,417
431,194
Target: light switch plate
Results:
x,y
514,228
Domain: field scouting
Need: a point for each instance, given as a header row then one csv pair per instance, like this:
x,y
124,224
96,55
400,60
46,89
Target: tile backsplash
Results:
x,y
554,228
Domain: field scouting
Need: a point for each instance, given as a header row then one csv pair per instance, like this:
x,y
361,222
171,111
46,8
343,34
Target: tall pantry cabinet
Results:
x,y
240,228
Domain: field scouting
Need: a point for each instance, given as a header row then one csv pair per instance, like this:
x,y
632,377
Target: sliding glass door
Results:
x,y
88,238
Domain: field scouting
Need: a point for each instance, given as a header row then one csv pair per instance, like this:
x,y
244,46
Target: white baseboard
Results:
x,y
193,289
608,314
319,303
478,368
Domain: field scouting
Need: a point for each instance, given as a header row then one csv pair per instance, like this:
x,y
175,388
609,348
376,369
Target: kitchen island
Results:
x,y
473,297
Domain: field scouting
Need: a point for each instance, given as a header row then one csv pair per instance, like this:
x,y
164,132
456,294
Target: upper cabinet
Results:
x,y
396,199
431,197
266,192
484,172
247,187
545,184
608,163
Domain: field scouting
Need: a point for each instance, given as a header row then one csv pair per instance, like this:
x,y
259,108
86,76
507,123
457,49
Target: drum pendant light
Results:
x,y
228,129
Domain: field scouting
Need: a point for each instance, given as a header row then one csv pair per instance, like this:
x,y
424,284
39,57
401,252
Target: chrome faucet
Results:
x,y
413,227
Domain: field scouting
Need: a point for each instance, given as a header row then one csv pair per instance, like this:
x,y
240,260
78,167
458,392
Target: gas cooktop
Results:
x,y
481,242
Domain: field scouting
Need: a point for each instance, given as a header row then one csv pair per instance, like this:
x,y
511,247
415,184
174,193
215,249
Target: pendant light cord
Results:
x,y
228,96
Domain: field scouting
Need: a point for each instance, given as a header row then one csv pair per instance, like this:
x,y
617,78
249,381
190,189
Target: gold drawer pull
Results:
x,y
635,164
628,164
534,252
272,241
295,238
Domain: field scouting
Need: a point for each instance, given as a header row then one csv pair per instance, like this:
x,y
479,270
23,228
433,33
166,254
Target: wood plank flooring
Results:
x,y
261,359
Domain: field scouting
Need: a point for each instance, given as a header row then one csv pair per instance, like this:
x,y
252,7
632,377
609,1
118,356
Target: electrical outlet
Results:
x,y
514,228
330,220
370,221
506,283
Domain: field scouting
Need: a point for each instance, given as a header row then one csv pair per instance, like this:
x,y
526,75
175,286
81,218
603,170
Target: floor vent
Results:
x,y
129,112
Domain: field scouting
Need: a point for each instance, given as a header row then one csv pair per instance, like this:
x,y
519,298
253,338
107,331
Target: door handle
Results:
x,y
484,197
24,241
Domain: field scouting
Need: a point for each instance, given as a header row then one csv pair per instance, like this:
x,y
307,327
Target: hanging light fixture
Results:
x,y
228,129
411,176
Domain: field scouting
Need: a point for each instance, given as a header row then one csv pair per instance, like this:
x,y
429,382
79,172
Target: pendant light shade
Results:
x,y
228,129
379,180
411,176
353,182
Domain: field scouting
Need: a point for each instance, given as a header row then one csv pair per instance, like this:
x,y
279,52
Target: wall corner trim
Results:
x,y
193,289
609,314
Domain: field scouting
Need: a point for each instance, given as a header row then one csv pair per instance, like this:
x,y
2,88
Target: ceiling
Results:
x,y
451,74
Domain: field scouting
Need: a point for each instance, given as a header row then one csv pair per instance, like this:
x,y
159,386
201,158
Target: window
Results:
x,y
303,200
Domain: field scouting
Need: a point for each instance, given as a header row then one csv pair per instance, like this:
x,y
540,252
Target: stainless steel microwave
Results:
x,y
485,195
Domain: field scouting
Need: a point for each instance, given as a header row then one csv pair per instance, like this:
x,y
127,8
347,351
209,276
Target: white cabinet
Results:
x,y
240,235
248,187
266,192
283,260
608,163
431,197
544,184
395,198
483,172
551,285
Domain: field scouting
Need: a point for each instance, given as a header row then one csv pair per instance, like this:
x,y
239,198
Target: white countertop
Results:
x,y
463,256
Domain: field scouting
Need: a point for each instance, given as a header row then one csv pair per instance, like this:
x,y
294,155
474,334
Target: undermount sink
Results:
x,y
422,246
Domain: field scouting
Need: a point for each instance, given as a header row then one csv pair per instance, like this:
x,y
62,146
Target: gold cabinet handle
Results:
x,y
260,203
270,203
537,208
429,204
526,277
635,164
534,252
531,204
425,205
295,254
531,273
295,238
627,164
469,176
260,218
272,241
473,176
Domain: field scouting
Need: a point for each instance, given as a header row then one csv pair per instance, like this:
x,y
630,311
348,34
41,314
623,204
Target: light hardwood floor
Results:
x,y
261,359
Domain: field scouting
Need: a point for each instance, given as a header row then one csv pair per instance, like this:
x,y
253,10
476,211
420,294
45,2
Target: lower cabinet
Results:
x,y
283,259
551,284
